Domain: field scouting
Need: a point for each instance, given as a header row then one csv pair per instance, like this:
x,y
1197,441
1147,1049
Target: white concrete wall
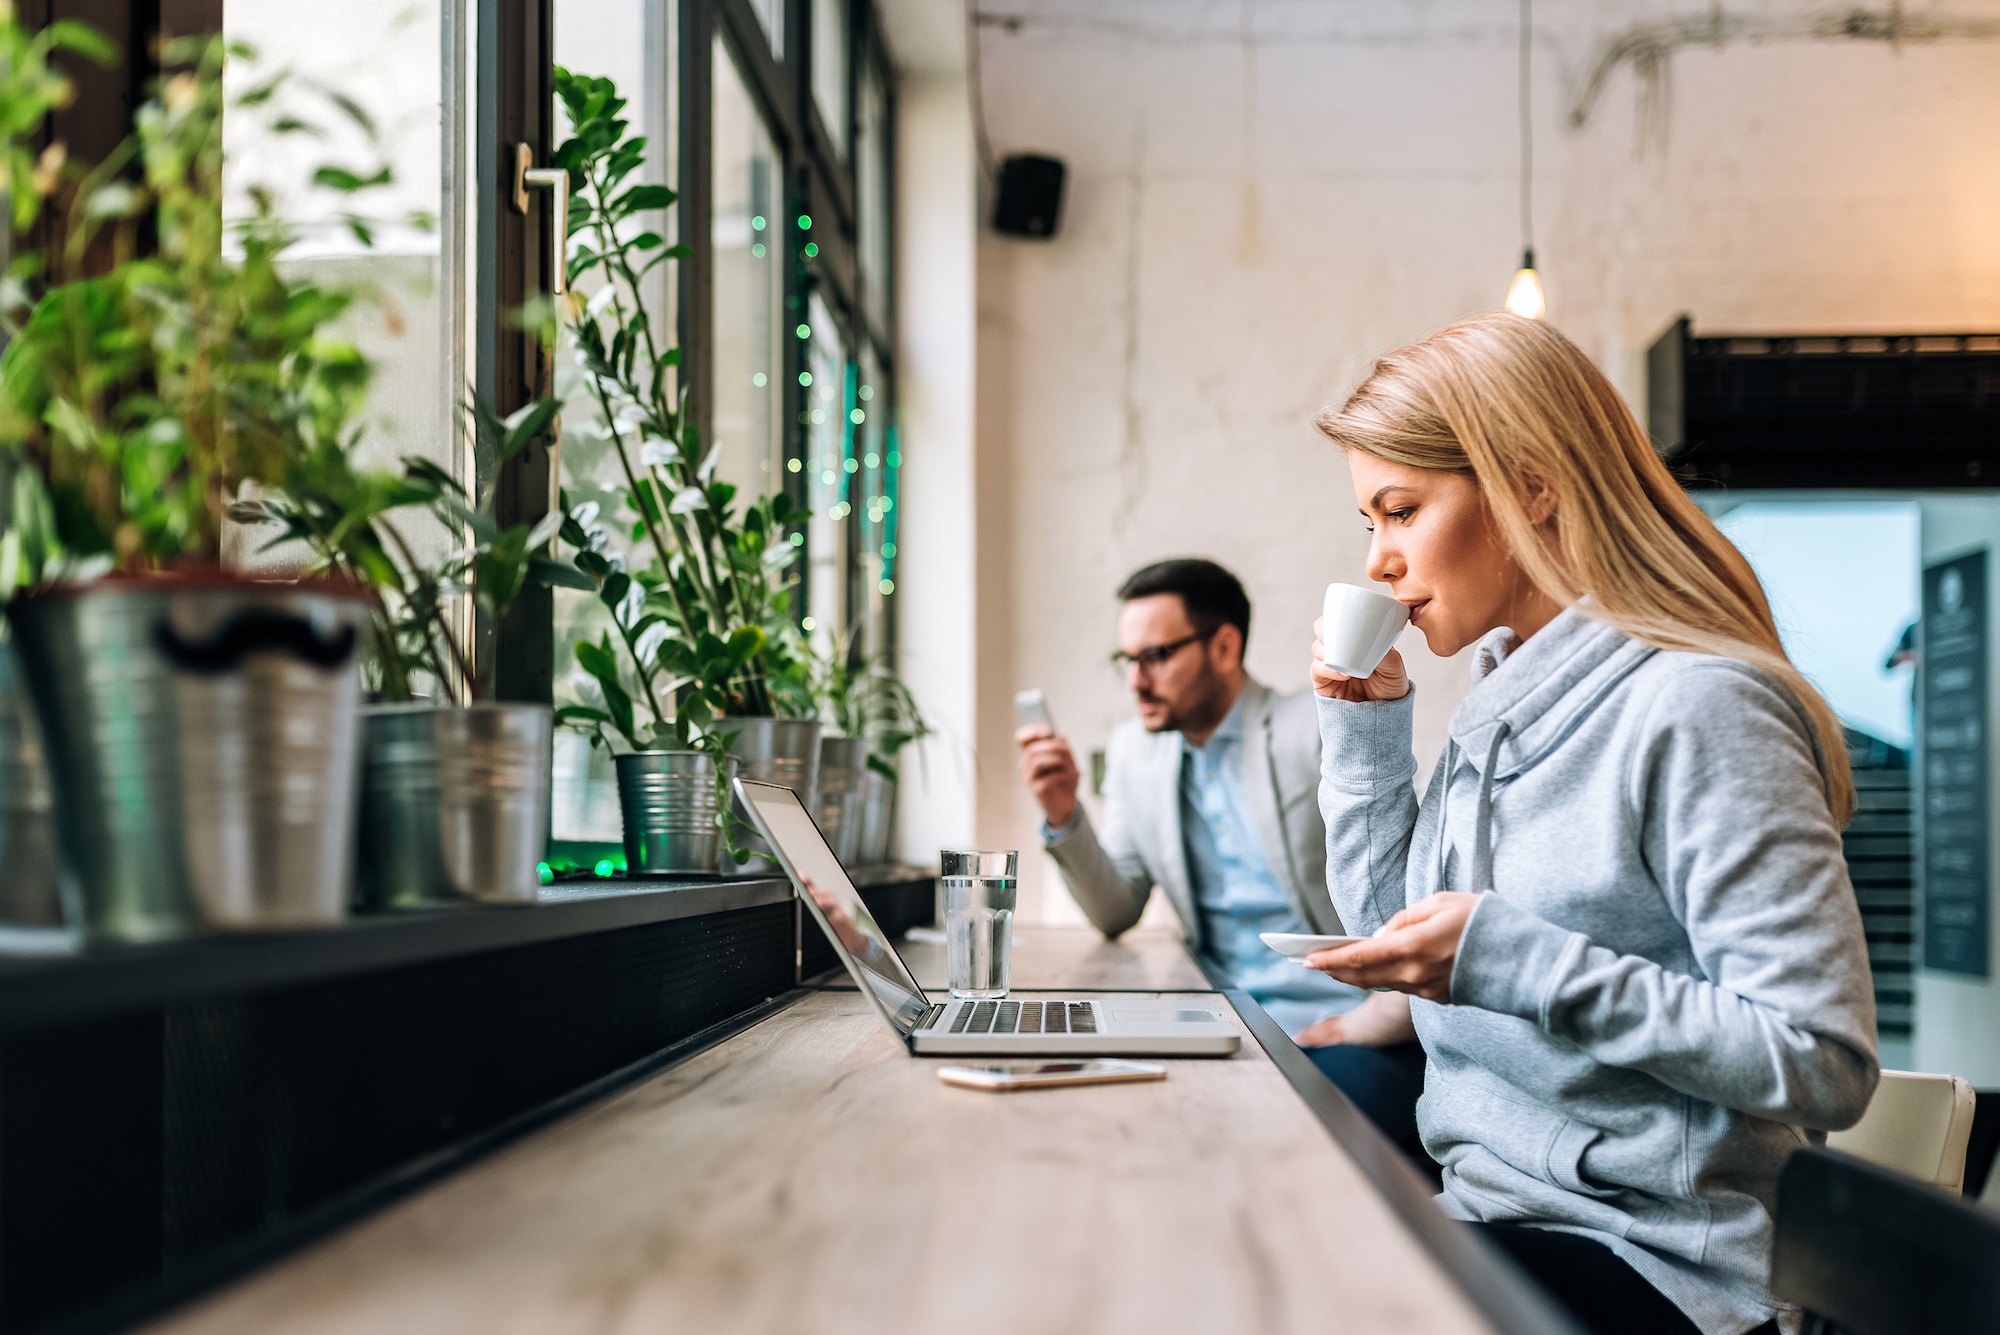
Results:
x,y
946,565
1263,196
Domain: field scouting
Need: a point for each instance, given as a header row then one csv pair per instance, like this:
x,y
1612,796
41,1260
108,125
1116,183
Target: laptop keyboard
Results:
x,y
1026,1017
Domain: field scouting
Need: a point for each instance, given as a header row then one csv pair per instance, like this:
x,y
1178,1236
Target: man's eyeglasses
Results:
x,y
1150,660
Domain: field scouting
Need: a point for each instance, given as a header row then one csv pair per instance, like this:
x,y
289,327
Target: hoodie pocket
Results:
x,y
1566,1159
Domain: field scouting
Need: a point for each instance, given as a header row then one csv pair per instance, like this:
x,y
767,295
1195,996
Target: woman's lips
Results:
x,y
1417,609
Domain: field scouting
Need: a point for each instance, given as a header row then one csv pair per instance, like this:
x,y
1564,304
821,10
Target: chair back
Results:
x,y
1866,1251
1916,1124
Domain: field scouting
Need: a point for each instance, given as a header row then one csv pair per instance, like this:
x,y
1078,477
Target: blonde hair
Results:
x,y
1519,408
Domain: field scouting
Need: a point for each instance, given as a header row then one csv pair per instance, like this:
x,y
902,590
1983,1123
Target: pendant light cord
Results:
x,y
1527,135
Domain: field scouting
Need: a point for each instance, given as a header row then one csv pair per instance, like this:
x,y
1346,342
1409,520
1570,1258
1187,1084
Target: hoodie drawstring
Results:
x,y
1482,830
1482,827
1450,763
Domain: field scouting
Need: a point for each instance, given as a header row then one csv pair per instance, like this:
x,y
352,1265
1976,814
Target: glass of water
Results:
x,y
978,890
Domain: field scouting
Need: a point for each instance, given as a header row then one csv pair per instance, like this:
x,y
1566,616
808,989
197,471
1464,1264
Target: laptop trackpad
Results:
x,y
1160,1015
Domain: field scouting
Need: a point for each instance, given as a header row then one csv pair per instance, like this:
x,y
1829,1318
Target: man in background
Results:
x,y
1212,794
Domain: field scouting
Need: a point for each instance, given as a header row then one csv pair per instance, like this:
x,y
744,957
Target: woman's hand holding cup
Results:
x,y
1389,681
1352,659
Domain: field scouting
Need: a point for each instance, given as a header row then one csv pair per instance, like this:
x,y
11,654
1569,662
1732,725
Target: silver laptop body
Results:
x,y
1038,1023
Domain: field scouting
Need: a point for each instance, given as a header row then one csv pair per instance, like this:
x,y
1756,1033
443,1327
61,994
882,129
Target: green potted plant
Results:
x,y
870,701
455,785
31,87
199,721
869,715
705,667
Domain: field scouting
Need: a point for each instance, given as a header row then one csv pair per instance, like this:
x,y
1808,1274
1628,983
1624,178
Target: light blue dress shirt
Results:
x,y
1234,890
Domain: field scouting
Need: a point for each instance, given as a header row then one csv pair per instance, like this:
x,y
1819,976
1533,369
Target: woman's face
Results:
x,y
1437,548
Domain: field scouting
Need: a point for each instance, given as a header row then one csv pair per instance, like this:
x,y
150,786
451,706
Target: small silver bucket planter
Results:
x,y
843,765
400,865
201,732
878,819
672,812
771,750
28,874
454,804
494,762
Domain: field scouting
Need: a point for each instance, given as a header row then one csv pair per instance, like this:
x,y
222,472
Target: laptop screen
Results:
x,y
833,900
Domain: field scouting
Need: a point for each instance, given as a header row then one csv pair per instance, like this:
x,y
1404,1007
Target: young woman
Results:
x,y
1621,904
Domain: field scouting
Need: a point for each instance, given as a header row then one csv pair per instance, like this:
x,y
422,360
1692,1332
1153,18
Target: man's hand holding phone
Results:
x,y
1047,763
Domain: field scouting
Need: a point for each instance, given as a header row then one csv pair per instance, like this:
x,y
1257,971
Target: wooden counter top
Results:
x,y
808,1175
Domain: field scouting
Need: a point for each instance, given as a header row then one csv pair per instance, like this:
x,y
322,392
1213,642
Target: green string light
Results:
x,y
760,380
757,223
792,465
604,867
544,873
805,222
805,377
804,331
872,459
812,249
757,250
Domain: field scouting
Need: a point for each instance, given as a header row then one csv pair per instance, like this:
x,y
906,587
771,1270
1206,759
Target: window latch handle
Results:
x,y
555,180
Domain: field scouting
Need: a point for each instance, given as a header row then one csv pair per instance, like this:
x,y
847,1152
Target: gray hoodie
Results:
x,y
1663,990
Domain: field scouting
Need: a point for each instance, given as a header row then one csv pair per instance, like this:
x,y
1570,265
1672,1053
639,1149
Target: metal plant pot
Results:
x,y
842,762
201,734
671,811
400,864
28,894
878,816
772,750
494,762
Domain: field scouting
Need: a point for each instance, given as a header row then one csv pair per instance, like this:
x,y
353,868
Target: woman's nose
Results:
x,y
1383,562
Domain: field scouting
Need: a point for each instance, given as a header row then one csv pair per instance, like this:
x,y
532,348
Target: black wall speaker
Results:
x,y
1030,196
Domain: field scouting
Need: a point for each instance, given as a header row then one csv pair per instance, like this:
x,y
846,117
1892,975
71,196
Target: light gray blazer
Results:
x,y
1111,874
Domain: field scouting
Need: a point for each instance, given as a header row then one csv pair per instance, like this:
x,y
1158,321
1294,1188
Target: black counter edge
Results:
x,y
1503,1293
197,1283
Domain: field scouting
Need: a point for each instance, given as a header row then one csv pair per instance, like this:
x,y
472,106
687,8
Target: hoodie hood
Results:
x,y
1528,696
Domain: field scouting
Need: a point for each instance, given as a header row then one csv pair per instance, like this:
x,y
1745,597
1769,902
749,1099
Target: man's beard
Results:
x,y
1200,710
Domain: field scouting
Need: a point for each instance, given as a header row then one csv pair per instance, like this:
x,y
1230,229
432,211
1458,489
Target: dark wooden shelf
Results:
x,y
48,981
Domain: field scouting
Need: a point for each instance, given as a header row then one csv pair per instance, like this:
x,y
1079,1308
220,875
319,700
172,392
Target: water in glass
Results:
x,y
978,930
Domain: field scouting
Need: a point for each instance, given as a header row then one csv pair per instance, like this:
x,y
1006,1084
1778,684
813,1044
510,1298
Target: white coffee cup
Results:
x,y
1358,627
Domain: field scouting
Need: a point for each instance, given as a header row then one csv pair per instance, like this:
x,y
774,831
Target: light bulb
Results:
x,y
1524,294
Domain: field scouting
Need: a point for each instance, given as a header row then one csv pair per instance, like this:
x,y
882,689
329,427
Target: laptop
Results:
x,y
1109,1025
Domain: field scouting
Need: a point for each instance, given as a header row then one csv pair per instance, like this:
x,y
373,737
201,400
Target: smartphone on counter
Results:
x,y
1042,1075
1033,710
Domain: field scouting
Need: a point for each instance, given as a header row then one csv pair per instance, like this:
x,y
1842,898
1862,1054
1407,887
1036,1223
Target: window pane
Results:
x,y
391,58
747,234
629,42
771,15
831,462
829,68
871,497
872,189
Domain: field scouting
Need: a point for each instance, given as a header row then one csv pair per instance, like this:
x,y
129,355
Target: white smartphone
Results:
x,y
1043,1075
1033,710
1298,945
